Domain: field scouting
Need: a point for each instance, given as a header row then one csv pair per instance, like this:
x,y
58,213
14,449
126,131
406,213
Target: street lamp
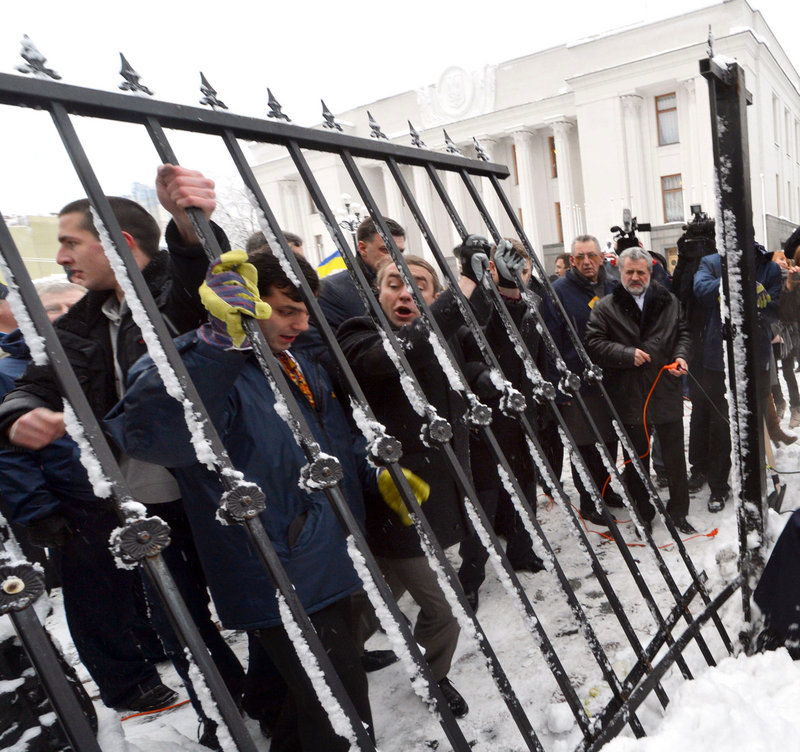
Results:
x,y
350,218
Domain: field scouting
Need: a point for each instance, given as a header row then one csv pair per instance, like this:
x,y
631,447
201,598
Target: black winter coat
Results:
x,y
616,328
379,378
173,278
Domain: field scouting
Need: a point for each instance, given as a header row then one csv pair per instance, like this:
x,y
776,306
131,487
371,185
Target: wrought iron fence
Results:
x,y
142,538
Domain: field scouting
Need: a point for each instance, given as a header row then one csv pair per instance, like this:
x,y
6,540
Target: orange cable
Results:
x,y
157,710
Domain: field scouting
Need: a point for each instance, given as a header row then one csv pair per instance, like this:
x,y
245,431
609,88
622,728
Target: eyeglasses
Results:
x,y
590,256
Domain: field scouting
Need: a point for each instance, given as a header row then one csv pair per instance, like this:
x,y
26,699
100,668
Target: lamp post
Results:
x,y
350,218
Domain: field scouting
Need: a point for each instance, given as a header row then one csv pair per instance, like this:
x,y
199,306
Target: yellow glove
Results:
x,y
391,494
762,296
230,290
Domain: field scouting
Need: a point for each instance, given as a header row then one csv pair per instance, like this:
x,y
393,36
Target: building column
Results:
x,y
527,167
457,193
290,208
424,199
691,167
636,195
394,199
570,222
488,193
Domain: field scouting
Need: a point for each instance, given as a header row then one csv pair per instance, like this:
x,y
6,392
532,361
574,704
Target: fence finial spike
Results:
x,y
35,61
375,129
210,94
479,150
415,139
275,108
330,119
710,49
448,142
131,82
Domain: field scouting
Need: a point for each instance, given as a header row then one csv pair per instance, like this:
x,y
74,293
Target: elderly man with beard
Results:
x,y
633,333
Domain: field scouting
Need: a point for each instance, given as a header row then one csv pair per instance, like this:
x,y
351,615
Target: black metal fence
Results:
x,y
655,579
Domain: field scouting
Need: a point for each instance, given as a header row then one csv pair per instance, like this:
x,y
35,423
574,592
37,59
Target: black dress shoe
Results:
x,y
375,660
716,502
697,480
155,698
612,499
531,563
684,525
472,599
458,705
593,516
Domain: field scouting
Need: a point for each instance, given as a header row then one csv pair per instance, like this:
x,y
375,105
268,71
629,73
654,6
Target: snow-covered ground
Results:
x,y
746,704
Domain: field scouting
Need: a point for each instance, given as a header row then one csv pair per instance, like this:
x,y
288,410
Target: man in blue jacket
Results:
x,y
299,521
707,290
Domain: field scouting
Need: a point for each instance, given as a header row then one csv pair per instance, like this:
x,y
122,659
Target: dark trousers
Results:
x,y
184,565
719,436
597,471
105,609
674,465
303,723
500,510
787,368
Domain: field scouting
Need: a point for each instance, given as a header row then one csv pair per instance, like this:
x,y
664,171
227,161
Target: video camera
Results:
x,y
699,235
625,236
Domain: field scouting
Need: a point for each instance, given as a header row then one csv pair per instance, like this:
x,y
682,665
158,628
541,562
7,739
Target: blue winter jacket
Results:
x,y
149,425
45,482
578,298
707,290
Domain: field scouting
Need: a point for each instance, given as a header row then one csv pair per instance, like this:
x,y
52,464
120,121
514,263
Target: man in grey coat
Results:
x,y
638,335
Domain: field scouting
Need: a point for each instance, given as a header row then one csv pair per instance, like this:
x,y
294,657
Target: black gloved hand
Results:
x,y
474,256
49,532
508,263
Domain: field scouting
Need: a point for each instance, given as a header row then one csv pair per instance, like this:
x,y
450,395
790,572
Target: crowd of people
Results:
x,y
653,345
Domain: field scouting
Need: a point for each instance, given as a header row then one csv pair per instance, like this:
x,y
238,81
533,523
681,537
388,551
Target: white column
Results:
x,y
634,169
691,165
394,199
527,167
490,200
290,206
424,199
456,191
562,130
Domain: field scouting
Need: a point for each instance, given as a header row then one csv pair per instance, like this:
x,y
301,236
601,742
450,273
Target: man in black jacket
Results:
x,y
102,342
633,334
390,535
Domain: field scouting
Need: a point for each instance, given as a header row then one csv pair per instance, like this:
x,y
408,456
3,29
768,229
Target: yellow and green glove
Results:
x,y
229,292
391,494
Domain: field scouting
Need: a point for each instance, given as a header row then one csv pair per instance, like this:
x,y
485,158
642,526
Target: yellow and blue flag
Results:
x,y
330,264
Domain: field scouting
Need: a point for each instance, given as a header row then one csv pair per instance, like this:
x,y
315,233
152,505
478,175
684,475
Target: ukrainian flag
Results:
x,y
330,264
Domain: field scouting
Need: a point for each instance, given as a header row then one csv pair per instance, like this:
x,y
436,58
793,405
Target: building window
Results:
x,y
312,207
514,160
558,223
551,145
667,114
776,120
318,244
521,221
672,195
778,194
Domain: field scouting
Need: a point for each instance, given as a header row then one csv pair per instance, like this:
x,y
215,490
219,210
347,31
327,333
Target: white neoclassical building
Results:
x,y
615,121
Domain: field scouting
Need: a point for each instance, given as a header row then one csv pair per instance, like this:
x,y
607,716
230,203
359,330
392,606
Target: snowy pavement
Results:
x,y
746,704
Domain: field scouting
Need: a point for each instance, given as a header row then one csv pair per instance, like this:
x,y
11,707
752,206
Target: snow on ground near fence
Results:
x,y
746,704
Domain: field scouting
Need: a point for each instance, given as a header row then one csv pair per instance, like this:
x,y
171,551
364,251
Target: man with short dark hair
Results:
x,y
308,538
339,297
634,334
101,342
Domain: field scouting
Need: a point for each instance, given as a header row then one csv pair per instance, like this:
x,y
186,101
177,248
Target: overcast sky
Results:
x,y
348,53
